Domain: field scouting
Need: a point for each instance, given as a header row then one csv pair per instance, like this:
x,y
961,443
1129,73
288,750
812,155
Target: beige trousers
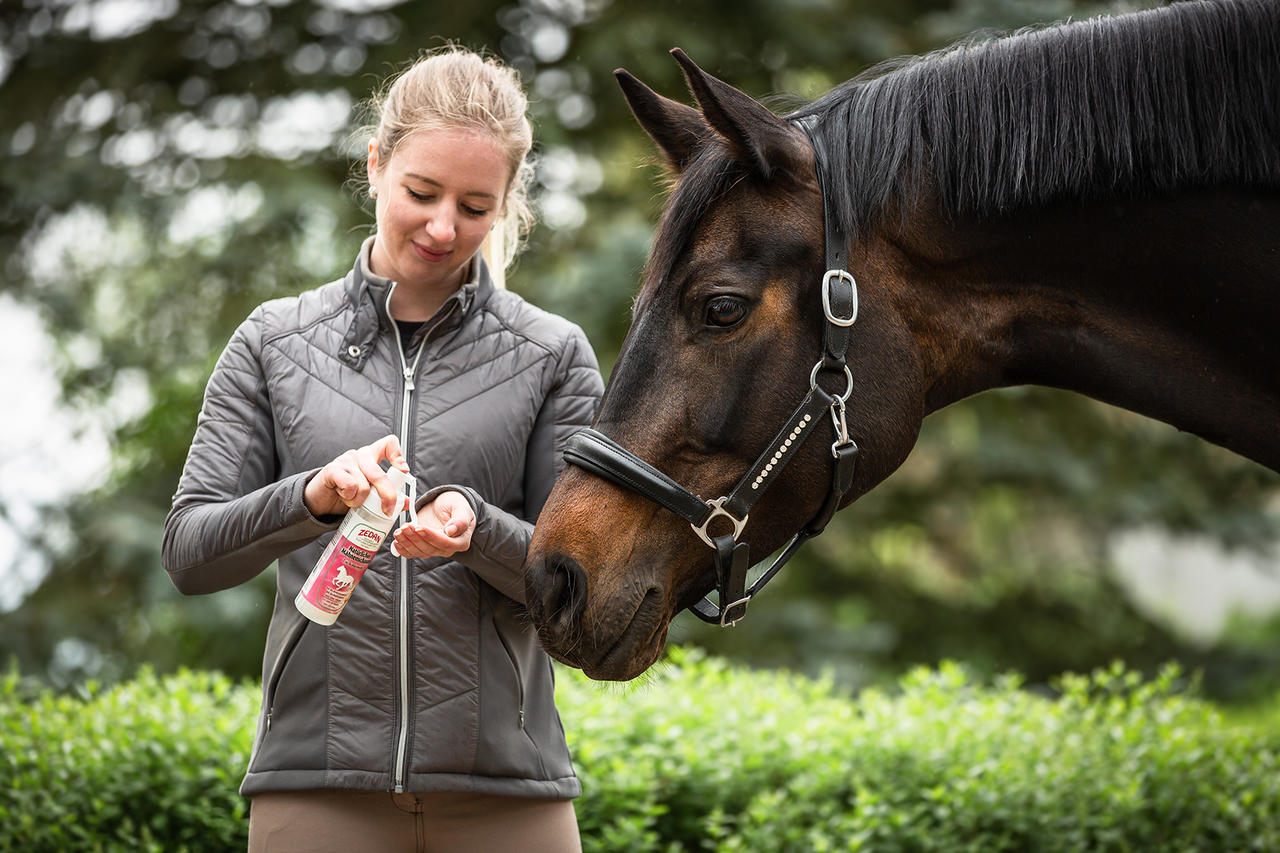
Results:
x,y
347,821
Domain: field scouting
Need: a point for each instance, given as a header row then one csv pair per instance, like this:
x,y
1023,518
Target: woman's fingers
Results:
x,y
407,543
377,479
455,516
425,538
417,541
388,448
345,482
443,529
336,487
369,457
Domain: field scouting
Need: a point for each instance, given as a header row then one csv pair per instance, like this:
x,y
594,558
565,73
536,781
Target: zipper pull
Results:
x,y
408,378
522,718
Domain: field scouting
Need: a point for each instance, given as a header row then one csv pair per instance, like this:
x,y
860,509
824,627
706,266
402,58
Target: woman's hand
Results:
x,y
443,529
345,482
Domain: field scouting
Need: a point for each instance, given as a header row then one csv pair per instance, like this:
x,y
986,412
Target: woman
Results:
x,y
424,717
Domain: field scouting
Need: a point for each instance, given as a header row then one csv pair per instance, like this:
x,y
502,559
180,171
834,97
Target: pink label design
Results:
x,y
342,565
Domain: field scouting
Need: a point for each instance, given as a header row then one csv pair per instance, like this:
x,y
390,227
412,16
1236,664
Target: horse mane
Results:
x,y
1147,103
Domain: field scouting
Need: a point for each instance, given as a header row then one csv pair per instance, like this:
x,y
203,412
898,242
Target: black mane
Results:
x,y
1182,96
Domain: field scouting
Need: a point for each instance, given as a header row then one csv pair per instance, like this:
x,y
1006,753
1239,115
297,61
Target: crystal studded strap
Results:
x,y
780,451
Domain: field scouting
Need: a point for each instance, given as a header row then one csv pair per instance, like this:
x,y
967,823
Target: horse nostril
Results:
x,y
565,594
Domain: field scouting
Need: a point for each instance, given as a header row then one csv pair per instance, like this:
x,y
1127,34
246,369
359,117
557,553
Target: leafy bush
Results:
x,y
707,757
702,756
152,764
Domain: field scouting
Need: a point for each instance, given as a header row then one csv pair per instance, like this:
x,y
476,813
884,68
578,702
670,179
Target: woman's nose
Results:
x,y
441,228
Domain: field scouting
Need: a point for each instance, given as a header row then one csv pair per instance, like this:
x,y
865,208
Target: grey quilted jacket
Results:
x,y
432,678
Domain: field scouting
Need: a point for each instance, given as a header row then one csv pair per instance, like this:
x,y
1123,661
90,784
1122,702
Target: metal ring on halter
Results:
x,y
826,297
717,509
848,378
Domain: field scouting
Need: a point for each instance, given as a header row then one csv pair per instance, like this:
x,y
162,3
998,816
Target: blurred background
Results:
x,y
166,165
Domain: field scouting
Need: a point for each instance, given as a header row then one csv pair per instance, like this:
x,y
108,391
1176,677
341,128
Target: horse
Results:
x,y
1093,206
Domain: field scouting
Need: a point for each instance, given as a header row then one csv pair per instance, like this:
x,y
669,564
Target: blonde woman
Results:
x,y
423,719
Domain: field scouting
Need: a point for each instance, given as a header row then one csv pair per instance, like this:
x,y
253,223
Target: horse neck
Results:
x,y
1166,308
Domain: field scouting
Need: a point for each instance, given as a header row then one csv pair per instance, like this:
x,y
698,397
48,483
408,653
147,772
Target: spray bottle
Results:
x,y
350,551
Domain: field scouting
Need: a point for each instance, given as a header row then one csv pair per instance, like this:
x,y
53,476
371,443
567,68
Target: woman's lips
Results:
x,y
429,255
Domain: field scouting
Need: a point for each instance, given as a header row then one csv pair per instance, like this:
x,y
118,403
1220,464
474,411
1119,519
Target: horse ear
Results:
x,y
678,129
759,138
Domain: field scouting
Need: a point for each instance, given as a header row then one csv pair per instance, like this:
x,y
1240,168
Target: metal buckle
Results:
x,y
826,297
724,611
717,509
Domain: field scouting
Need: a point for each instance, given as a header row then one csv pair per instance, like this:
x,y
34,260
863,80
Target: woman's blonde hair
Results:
x,y
451,88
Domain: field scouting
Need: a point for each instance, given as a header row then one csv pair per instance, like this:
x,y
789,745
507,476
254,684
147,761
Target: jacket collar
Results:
x,y
367,292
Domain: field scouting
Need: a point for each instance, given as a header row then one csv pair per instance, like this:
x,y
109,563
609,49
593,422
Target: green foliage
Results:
x,y
151,764
707,757
702,756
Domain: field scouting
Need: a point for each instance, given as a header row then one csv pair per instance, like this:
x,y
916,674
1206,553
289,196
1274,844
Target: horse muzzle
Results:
x,y
614,642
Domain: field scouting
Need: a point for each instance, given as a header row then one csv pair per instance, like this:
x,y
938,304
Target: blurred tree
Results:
x,y
168,165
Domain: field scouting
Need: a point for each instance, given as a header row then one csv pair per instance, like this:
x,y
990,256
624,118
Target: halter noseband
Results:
x,y
595,452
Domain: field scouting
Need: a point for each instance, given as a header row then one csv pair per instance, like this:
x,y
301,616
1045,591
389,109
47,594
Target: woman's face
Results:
x,y
437,196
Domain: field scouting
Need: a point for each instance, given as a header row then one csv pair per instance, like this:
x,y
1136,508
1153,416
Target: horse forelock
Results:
x,y
1152,102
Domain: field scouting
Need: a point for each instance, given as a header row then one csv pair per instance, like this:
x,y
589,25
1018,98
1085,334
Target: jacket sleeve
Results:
x,y
231,517
501,540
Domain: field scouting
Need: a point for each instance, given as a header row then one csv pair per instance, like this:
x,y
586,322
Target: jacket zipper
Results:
x,y
408,371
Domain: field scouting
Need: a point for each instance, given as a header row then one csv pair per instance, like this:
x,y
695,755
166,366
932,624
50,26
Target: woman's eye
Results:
x,y
417,196
471,211
725,311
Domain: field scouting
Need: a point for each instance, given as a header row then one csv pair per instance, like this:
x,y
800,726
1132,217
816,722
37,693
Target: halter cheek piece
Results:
x,y
595,452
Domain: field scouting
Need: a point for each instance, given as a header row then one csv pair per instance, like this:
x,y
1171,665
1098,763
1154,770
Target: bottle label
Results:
x,y
341,566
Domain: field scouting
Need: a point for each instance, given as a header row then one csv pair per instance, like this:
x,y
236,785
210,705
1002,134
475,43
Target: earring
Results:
x,y
373,192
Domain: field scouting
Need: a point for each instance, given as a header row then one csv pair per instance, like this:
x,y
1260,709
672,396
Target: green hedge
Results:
x,y
703,756
152,764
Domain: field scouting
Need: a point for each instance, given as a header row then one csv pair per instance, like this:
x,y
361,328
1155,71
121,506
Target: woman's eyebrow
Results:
x,y
436,183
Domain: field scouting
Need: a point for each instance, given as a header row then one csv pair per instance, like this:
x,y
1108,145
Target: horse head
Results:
x,y
727,329
1109,230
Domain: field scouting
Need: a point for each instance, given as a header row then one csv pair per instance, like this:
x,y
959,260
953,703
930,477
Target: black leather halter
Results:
x,y
595,452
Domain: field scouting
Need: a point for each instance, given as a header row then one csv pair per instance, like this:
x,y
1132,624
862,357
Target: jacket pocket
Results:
x,y
520,698
291,640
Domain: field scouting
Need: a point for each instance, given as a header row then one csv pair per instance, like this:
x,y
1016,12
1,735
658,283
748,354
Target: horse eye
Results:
x,y
725,311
